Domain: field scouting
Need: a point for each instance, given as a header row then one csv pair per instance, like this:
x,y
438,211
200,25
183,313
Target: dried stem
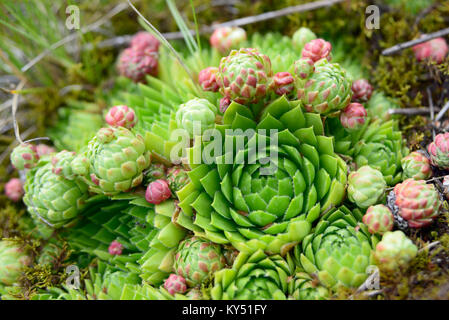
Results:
x,y
125,40
412,111
408,44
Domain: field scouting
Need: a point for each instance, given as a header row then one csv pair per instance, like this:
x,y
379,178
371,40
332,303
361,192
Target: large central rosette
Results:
x,y
262,197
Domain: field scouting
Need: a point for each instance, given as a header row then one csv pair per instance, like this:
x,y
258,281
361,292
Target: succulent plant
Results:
x,y
226,38
154,172
135,64
157,263
301,37
78,119
339,250
14,189
158,191
62,164
145,40
244,75
113,162
43,149
416,166
197,259
317,49
435,50
268,206
366,186
439,151
49,254
196,116
283,83
254,276
115,248
12,259
394,251
324,87
378,219
121,116
303,287
379,105
362,90
353,117
24,156
52,198
418,203
177,178
175,284
207,78
378,144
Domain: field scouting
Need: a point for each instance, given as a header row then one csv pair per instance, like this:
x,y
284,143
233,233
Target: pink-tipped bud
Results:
x,y
175,284
227,38
136,64
14,189
115,248
42,149
317,49
121,116
224,104
145,40
158,191
362,90
207,78
439,151
435,50
353,117
283,83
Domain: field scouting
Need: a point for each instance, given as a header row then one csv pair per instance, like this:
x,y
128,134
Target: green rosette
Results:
x,y
52,199
239,203
339,250
255,276
378,144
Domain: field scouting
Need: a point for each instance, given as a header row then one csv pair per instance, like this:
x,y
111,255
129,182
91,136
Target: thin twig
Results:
x,y
429,246
432,111
14,110
411,111
442,112
408,44
117,9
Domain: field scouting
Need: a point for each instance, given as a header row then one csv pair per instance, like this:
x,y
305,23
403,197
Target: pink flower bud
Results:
x,y
226,38
14,189
145,40
353,117
135,64
224,104
207,79
439,151
317,49
121,116
115,248
158,191
175,284
362,90
43,149
435,49
283,83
